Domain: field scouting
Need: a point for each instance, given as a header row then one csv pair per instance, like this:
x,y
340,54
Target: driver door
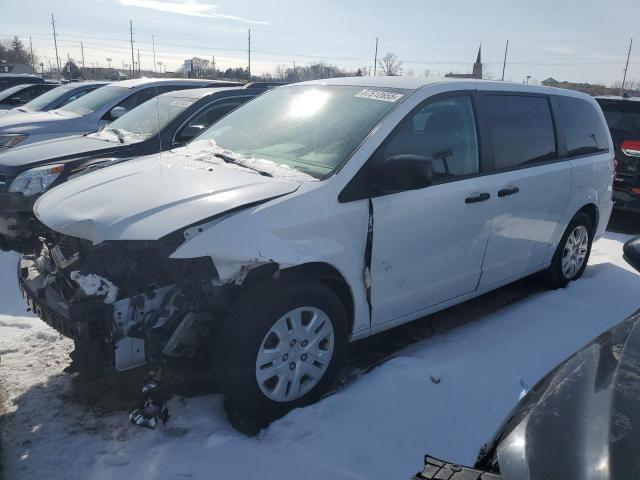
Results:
x,y
428,244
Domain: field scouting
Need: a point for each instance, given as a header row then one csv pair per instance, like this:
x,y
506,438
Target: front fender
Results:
x,y
288,232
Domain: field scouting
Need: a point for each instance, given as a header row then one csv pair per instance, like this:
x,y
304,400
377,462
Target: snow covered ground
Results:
x,y
378,427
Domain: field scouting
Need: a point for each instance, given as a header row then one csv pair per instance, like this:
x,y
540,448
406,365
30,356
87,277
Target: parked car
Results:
x,y
579,422
167,121
623,118
57,97
317,214
11,79
90,112
21,94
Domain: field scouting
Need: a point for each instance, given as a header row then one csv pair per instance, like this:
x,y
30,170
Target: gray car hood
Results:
x,y
150,197
32,121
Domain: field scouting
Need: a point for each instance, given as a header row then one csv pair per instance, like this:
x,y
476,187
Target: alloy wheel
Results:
x,y
575,251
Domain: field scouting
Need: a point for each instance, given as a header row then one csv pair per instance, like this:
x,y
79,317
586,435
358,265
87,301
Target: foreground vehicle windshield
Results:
x,y
93,101
311,128
147,120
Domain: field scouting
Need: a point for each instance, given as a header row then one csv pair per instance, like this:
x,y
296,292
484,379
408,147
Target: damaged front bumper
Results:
x,y
124,305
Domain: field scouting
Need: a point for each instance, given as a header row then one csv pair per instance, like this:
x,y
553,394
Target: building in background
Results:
x,y
477,68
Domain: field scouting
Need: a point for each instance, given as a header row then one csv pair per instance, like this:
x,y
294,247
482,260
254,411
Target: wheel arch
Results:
x,y
320,271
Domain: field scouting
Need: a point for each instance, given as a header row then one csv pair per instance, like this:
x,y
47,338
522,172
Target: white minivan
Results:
x,y
318,214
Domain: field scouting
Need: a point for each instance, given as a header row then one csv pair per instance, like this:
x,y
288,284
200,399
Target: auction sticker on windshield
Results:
x,y
379,95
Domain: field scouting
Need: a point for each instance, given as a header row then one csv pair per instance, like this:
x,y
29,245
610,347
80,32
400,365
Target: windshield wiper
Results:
x,y
118,133
230,159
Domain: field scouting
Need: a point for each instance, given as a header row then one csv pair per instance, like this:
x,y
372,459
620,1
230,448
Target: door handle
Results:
x,y
481,197
505,192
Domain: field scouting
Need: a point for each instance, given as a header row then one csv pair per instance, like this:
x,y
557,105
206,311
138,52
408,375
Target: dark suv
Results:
x,y
623,118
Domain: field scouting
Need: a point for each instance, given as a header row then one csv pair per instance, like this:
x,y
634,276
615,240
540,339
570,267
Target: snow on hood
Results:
x,y
204,150
150,197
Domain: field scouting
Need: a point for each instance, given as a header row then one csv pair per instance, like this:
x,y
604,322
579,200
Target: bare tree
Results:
x,y
390,64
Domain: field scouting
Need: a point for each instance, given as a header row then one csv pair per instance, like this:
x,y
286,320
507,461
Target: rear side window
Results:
x,y
584,130
521,128
622,116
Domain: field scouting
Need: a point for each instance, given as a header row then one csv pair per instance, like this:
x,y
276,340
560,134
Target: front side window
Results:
x,y
207,117
583,127
94,101
311,128
521,128
443,132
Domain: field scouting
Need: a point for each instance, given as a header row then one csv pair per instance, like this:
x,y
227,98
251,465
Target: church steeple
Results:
x,y
477,67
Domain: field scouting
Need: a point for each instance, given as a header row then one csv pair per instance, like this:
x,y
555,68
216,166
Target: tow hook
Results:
x,y
152,407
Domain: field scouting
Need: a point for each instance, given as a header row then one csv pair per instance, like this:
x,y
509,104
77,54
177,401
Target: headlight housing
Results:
x,y
35,180
9,140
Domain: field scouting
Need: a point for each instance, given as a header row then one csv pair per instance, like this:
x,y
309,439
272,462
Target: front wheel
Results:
x,y
281,347
572,254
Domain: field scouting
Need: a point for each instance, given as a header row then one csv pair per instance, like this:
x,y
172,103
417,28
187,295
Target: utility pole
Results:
x,y
139,69
626,67
55,42
504,64
133,62
33,65
82,49
249,69
153,42
375,59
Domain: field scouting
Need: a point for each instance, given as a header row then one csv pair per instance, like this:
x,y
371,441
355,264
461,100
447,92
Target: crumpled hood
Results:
x,y
28,122
148,198
582,421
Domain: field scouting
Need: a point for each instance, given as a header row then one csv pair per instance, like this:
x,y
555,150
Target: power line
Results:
x,y
55,41
375,59
132,60
626,67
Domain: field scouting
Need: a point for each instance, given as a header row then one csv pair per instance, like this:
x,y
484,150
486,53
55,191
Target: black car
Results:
x,y
623,118
20,94
581,421
10,79
167,121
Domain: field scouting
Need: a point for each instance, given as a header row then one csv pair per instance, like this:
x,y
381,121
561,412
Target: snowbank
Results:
x,y
378,427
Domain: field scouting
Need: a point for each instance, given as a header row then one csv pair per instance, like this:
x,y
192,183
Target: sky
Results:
x,y
581,41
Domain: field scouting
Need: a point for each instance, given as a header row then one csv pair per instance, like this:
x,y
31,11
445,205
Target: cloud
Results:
x,y
193,8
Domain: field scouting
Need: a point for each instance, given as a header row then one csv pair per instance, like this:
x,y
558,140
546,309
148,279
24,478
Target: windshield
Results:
x,y
45,99
94,100
623,116
311,128
9,92
146,120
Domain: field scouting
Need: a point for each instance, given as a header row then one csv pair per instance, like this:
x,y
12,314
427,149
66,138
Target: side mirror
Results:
x,y
190,132
631,252
405,172
117,112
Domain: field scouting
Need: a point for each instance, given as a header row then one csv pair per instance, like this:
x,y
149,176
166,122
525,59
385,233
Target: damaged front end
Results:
x,y
124,303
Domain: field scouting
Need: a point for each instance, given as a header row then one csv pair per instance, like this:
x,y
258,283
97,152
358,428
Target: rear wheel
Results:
x,y
572,254
281,347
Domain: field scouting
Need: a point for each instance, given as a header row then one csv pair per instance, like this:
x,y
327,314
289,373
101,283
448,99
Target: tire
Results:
x,y
249,331
558,276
